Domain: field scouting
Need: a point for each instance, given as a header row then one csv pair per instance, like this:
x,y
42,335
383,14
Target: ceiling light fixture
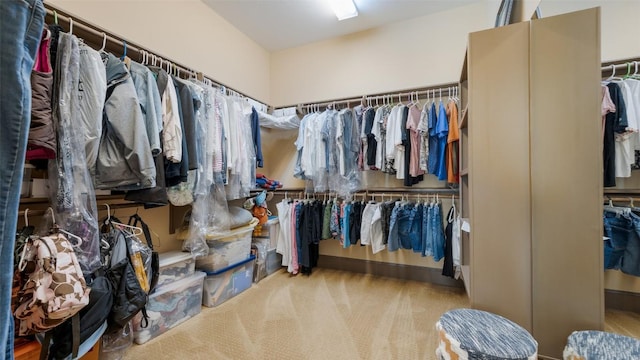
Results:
x,y
344,9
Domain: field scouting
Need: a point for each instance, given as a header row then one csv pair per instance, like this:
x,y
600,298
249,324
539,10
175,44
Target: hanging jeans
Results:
x,y
21,23
622,248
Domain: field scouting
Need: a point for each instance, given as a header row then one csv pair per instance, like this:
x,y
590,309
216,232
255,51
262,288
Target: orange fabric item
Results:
x,y
261,214
452,155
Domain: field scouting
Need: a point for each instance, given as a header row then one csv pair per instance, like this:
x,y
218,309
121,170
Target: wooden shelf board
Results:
x,y
464,117
466,279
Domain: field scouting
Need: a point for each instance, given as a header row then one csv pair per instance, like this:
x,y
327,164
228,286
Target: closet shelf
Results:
x,y
44,200
466,279
464,117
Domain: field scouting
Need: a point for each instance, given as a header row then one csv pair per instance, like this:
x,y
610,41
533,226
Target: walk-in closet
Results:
x,y
212,179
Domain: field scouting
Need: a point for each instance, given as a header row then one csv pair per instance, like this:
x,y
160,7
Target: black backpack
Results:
x,y
66,338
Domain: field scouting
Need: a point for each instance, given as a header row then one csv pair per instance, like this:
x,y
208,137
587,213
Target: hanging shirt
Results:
x,y
423,128
608,138
376,233
283,247
172,127
413,123
433,164
452,143
442,132
298,172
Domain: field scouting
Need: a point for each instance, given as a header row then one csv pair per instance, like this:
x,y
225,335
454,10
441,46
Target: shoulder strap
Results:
x,y
135,218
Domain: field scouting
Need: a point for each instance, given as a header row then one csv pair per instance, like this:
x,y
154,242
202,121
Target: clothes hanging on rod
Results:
x,y
622,239
405,140
621,123
392,225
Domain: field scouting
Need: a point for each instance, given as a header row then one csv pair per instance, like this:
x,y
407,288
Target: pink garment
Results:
x,y
607,106
294,247
416,141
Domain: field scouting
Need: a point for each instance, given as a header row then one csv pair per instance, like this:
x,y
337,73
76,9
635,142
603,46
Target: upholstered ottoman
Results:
x,y
474,334
599,345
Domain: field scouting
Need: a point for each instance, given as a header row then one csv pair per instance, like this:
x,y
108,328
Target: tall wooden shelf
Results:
x,y
527,213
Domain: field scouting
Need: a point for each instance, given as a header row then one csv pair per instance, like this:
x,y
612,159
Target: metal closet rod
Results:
x,y
435,91
621,65
101,207
100,33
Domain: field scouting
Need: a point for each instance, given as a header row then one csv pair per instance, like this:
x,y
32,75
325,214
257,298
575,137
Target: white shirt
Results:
x,y
377,238
172,133
283,246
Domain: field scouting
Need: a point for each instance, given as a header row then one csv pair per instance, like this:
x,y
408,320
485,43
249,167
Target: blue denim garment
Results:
x,y
631,258
618,229
403,230
416,229
345,226
21,23
393,242
438,233
427,233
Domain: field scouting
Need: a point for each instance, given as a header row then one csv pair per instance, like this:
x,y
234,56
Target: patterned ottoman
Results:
x,y
599,345
474,334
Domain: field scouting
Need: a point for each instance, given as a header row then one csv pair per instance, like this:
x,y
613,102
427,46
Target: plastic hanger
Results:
x,y
104,42
56,228
55,17
613,76
70,26
616,209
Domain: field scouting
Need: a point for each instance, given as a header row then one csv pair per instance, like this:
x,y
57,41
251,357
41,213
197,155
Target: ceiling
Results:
x,y
282,24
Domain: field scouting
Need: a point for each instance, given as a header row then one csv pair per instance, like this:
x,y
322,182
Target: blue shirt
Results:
x,y
442,132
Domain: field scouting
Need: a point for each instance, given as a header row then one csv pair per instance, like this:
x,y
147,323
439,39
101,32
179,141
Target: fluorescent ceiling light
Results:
x,y
344,9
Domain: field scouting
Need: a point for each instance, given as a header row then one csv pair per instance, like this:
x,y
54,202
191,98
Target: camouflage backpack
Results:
x,y
54,288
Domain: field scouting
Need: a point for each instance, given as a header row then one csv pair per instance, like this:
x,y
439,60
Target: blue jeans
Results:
x,y
618,229
21,23
404,229
438,233
631,258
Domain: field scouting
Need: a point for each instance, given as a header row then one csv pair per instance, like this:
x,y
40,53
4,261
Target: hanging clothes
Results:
x,y
41,143
453,137
442,132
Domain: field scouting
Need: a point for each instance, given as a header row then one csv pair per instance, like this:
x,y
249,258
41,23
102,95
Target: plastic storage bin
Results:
x,y
220,286
169,306
227,249
175,265
273,262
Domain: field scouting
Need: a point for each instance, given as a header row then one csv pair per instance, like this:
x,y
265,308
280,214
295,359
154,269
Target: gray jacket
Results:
x,y
124,159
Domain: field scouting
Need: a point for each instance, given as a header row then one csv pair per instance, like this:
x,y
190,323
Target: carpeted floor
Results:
x,y
328,315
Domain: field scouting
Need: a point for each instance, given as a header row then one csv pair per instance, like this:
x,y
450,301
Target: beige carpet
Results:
x,y
329,315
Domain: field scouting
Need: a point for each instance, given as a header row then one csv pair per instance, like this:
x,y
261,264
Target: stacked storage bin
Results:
x,y
176,298
264,242
229,265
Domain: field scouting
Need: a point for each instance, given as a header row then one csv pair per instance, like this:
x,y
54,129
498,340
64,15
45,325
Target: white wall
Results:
x,y
185,31
428,50
619,24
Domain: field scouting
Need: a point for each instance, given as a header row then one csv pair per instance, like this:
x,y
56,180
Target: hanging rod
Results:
x,y
446,89
100,207
626,65
98,35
